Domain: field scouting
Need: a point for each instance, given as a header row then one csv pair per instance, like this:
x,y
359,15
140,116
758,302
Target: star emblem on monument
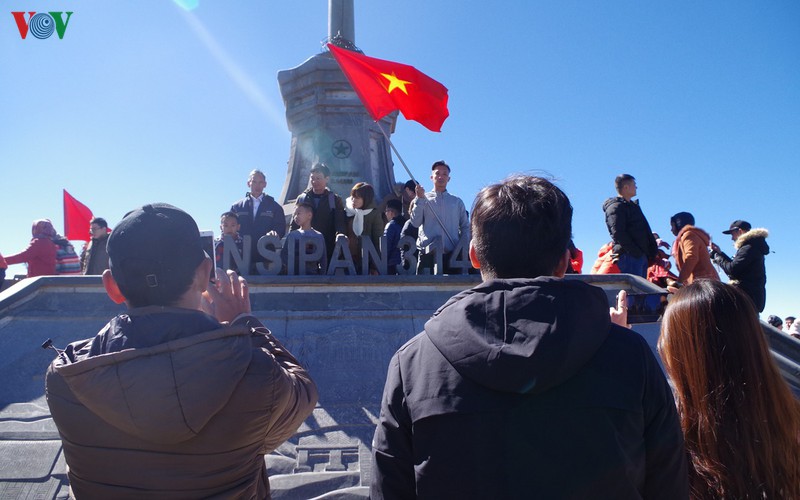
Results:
x,y
341,148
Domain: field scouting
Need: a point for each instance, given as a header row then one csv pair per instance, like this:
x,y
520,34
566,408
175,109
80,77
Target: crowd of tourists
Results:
x,y
526,384
413,231
635,249
433,224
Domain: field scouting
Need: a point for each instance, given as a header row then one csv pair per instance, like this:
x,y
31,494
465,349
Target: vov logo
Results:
x,y
42,25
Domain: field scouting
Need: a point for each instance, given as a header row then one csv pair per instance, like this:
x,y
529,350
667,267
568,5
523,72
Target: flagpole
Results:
x,y
391,144
396,152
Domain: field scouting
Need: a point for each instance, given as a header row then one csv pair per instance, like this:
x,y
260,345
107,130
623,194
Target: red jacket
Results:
x,y
605,263
576,261
40,257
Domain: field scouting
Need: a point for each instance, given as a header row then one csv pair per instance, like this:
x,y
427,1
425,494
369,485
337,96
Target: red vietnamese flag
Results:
x,y
385,86
77,217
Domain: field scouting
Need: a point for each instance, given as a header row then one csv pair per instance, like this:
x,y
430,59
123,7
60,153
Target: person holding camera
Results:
x,y
183,394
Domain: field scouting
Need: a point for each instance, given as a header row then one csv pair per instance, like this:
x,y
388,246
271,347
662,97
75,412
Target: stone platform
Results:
x,y
344,329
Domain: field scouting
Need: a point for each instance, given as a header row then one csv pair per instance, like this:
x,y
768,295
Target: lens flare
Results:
x,y
188,4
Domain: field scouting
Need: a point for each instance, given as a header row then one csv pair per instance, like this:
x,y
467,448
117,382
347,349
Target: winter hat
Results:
x,y
682,219
153,253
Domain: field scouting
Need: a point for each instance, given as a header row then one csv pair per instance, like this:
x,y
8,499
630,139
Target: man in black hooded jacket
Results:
x,y
746,269
634,243
522,387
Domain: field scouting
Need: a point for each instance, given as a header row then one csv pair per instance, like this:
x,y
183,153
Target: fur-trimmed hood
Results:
x,y
750,237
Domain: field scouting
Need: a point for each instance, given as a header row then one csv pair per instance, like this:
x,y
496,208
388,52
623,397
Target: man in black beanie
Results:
x,y
167,400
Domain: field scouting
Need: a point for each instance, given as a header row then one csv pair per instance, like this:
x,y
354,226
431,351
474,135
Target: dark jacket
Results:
x,y
94,258
629,228
270,217
219,252
411,231
524,389
373,229
392,232
169,403
328,219
747,270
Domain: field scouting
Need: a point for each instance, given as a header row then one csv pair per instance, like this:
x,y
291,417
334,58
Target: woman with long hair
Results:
x,y
740,420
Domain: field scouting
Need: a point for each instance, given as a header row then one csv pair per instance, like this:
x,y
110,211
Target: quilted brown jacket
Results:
x,y
169,403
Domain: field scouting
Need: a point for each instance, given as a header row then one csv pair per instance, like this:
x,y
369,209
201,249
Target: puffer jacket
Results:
x,y
691,255
523,388
629,228
747,269
169,403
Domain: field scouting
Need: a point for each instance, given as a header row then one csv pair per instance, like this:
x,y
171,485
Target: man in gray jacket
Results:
x,y
166,400
442,221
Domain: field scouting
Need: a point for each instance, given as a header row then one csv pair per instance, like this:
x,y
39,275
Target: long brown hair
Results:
x,y
740,420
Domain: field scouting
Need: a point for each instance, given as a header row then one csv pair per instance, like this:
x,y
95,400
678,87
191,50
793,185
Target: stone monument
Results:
x,y
329,123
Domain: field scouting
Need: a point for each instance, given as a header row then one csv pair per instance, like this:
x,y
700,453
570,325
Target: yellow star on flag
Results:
x,y
396,83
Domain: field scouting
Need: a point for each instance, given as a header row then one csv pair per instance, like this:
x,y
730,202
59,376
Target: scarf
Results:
x,y
358,216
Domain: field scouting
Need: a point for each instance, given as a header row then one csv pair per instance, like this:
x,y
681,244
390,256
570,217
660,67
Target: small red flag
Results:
x,y
77,218
385,86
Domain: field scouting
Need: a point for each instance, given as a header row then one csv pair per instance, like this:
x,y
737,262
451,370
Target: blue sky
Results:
x,y
144,101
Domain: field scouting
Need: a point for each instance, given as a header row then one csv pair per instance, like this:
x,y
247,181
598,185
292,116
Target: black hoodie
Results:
x,y
524,389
